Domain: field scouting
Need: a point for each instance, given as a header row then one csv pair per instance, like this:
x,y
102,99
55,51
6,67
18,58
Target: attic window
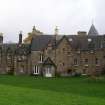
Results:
x,y
89,40
70,39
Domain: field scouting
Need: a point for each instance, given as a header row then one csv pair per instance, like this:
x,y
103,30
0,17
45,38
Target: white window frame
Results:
x,y
89,39
36,70
41,58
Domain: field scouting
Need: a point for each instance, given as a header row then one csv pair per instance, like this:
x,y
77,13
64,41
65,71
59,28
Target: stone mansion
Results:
x,y
51,55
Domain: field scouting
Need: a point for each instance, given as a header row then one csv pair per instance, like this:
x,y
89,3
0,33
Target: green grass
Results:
x,y
24,90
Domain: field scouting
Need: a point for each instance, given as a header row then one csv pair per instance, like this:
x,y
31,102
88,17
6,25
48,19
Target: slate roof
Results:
x,y
14,48
41,42
93,31
87,42
84,42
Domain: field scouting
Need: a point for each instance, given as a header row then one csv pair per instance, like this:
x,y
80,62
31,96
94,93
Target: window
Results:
x,y
70,39
9,56
69,71
36,70
48,71
23,57
89,40
75,61
84,71
41,58
63,64
86,61
96,61
19,58
22,69
9,59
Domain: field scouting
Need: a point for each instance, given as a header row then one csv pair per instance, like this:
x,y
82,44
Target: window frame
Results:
x,y
75,61
36,69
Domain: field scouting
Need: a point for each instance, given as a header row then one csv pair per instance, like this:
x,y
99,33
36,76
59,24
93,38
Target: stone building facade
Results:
x,y
51,55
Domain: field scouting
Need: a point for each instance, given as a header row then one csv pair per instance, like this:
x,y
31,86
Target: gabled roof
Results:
x,y
63,37
40,42
93,31
48,61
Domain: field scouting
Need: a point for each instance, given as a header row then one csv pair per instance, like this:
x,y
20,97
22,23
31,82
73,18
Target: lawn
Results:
x,y
27,90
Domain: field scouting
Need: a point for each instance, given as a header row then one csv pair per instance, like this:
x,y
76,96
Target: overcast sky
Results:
x,y
69,15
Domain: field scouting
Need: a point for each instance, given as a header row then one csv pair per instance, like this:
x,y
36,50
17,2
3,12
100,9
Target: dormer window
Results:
x,y
70,39
89,40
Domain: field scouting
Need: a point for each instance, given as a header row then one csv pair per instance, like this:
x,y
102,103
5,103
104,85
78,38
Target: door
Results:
x,y
48,72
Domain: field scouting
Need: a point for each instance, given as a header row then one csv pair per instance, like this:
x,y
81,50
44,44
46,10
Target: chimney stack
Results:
x,y
1,38
20,37
82,33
